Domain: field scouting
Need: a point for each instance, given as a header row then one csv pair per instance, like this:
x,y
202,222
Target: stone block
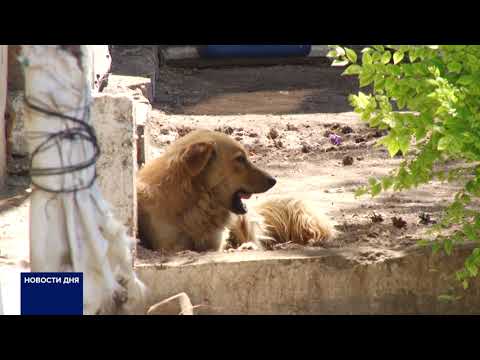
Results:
x,y
114,120
118,83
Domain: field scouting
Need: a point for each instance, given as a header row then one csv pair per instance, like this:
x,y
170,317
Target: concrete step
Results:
x,y
315,282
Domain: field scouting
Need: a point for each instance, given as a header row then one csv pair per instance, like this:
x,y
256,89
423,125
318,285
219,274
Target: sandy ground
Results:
x,y
283,115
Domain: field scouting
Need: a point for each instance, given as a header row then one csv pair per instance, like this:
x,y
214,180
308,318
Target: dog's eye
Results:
x,y
241,159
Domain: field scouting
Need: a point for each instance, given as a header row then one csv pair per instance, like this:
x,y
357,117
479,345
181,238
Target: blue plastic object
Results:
x,y
259,51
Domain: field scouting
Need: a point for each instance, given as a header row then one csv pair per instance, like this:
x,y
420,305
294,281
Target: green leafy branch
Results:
x,y
427,97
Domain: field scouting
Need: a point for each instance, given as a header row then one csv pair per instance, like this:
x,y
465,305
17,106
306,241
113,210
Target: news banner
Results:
x,y
51,293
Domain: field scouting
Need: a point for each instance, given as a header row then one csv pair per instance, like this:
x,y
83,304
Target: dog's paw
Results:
x,y
248,246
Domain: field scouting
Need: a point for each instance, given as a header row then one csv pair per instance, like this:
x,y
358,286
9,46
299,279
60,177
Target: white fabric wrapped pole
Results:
x,y
73,231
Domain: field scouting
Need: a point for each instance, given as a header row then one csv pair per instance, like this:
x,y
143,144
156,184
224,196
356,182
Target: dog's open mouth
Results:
x,y
238,207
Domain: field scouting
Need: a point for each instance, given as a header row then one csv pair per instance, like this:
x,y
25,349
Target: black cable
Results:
x,y
82,131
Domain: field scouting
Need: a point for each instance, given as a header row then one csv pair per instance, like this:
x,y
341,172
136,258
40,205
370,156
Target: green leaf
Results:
x,y
340,51
420,132
401,102
398,56
360,191
376,189
393,47
366,79
448,246
332,54
339,62
444,143
465,80
351,55
362,100
372,181
412,55
469,231
472,269
387,182
379,83
466,199
423,242
404,143
454,67
353,69
465,284
393,147
390,84
434,70
391,143
435,247
460,275
366,58
386,57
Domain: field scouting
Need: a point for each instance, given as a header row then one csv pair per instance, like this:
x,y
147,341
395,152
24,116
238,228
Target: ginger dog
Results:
x,y
277,221
186,196
190,198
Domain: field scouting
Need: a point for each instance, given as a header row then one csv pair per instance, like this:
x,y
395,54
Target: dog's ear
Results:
x,y
196,157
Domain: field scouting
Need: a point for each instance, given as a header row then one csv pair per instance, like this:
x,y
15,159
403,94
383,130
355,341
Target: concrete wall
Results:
x,y
323,282
114,122
115,118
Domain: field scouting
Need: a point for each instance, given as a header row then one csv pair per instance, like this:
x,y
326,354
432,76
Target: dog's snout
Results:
x,y
271,182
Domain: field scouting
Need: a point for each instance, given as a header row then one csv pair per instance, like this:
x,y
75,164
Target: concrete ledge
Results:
x,y
145,85
324,282
142,90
